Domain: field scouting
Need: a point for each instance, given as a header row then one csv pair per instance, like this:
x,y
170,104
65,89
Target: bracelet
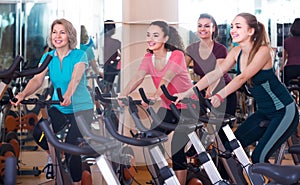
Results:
x,y
220,97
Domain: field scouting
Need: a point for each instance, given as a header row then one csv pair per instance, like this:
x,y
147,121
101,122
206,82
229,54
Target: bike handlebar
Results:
x,y
36,100
108,98
12,72
144,97
147,137
106,144
202,102
34,71
156,120
62,146
74,149
173,107
227,118
8,73
84,128
167,94
103,98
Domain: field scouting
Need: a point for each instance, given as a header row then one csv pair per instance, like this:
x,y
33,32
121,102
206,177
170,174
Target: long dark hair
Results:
x,y
259,38
109,27
213,21
175,41
295,28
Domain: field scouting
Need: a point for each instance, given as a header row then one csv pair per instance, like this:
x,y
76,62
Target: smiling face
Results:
x,y
59,36
205,28
240,30
155,38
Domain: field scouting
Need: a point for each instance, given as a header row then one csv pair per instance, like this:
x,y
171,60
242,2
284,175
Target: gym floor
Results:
x,y
31,159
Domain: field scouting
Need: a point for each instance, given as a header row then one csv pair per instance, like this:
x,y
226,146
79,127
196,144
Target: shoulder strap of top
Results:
x,y
238,70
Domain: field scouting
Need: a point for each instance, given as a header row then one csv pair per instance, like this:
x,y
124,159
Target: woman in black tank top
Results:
x,y
254,58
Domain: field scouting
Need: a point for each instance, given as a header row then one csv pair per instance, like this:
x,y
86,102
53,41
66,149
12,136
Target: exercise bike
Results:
x,y
224,119
148,139
7,76
210,175
280,174
56,146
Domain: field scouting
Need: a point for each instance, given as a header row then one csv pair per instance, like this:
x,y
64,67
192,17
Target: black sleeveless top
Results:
x,y
269,93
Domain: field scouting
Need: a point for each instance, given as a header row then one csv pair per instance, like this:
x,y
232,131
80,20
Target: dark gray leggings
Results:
x,y
59,121
282,124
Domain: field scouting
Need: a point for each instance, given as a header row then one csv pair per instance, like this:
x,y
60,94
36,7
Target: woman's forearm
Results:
x,y
131,86
31,87
233,86
77,74
34,84
209,79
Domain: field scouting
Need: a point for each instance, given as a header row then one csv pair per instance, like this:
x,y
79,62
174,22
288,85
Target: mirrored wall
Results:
x,y
276,15
24,24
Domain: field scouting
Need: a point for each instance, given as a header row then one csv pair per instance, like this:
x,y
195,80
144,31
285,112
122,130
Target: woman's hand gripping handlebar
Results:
x,y
208,106
20,99
45,126
200,112
191,104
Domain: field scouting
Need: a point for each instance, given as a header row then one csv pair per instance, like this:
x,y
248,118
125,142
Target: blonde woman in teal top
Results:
x,y
66,71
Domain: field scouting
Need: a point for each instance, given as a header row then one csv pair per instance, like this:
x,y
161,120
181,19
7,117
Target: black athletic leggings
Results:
x,y
290,72
59,121
179,139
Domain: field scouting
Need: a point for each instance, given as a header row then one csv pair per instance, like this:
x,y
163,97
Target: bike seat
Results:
x,y
295,81
225,119
280,174
294,149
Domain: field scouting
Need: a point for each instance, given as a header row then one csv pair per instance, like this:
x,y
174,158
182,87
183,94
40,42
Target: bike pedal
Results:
x,y
49,171
226,155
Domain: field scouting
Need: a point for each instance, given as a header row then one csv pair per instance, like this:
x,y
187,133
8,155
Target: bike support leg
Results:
x,y
167,172
207,162
255,179
107,170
